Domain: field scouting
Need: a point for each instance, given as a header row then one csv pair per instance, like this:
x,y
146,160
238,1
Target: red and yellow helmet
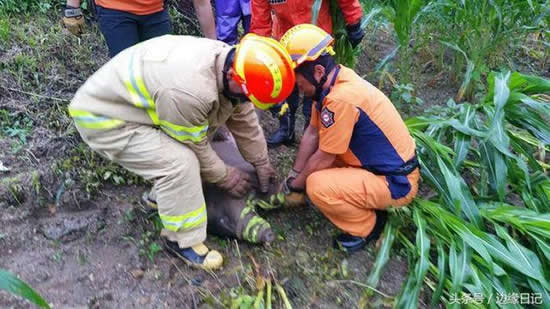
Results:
x,y
264,70
306,42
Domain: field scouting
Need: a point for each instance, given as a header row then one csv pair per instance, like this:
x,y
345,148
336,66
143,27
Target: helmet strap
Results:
x,y
234,97
307,69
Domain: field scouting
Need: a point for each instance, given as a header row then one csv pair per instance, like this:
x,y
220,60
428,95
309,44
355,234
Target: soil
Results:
x,y
79,235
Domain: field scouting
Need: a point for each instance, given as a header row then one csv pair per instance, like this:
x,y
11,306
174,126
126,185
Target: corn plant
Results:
x,y
404,15
481,33
485,231
345,53
12,284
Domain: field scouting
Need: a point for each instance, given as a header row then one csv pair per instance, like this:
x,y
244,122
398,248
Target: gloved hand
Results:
x,y
235,182
355,34
73,20
266,174
294,197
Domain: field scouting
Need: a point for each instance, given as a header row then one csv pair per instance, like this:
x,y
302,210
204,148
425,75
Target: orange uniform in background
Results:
x,y
138,7
360,125
289,13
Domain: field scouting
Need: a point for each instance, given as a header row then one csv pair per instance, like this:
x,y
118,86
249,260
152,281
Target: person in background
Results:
x,y
126,23
357,157
286,14
229,13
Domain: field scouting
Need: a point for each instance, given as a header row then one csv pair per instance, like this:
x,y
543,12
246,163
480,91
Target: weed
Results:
x,y
82,258
404,94
58,255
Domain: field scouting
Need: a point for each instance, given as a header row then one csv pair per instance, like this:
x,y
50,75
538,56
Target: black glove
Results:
x,y
355,34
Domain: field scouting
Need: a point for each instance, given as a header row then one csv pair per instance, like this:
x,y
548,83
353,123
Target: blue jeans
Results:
x,y
122,29
228,15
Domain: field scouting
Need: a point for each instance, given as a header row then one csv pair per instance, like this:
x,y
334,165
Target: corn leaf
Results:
x,y
315,8
368,18
497,133
411,292
441,266
383,255
460,193
496,167
12,284
543,246
540,290
459,268
523,256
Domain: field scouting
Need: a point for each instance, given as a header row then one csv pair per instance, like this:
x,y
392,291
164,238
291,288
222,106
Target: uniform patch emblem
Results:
x,y
327,117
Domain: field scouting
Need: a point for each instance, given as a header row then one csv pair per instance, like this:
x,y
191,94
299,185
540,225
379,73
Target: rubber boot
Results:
x,y
285,133
198,256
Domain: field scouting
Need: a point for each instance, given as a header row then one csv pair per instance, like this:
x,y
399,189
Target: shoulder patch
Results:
x,y
327,117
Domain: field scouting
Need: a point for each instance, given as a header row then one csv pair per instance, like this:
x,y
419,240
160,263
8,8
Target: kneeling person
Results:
x,y
153,106
356,157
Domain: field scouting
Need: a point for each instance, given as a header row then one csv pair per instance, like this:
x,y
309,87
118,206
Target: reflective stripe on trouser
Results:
x,y
174,168
347,197
141,98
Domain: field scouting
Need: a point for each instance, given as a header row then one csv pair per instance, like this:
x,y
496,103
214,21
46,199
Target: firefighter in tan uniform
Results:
x,y
153,106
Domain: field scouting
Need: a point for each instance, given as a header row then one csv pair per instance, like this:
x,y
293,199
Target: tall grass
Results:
x,y
486,229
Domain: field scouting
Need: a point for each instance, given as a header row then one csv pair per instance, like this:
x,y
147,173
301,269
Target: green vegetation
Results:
x,y
485,230
15,286
484,226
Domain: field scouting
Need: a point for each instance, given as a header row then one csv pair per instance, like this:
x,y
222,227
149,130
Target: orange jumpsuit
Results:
x,y
289,13
360,125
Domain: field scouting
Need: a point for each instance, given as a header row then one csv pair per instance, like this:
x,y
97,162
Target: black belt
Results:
x,y
404,170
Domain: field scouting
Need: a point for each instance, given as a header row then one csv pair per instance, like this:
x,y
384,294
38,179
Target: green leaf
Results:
x,y
497,133
540,290
12,284
367,18
523,256
459,192
315,11
383,255
543,246
441,265
496,167
458,267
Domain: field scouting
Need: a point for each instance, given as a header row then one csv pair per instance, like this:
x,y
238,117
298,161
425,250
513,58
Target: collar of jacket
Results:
x,y
220,63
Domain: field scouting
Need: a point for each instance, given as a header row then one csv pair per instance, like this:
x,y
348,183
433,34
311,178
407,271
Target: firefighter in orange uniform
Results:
x,y
286,14
356,157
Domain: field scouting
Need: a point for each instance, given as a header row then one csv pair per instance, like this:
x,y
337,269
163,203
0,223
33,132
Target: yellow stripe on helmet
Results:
x,y
258,104
274,70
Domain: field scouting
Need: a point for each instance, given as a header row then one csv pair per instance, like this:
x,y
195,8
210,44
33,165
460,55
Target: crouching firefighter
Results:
x,y
356,157
152,108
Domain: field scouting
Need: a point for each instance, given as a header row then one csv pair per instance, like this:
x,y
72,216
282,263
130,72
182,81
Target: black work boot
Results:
x,y
352,243
285,133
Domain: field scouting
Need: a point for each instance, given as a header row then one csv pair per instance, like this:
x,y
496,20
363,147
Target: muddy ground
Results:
x,y
73,227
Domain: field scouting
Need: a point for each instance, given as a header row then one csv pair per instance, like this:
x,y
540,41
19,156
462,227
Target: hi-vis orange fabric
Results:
x,y
360,125
138,7
289,13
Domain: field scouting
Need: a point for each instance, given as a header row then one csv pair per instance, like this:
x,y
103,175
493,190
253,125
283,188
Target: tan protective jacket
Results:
x,y
176,84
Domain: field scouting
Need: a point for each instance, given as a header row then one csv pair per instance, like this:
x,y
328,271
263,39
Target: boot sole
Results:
x,y
186,261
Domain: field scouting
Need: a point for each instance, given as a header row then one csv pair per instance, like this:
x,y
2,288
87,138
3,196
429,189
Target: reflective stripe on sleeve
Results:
x,y
142,99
